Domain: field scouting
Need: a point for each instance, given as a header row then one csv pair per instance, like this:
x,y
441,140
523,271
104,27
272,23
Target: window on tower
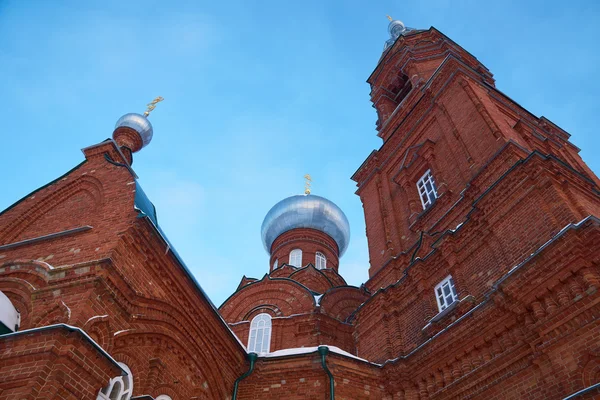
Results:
x,y
276,263
259,339
445,293
427,189
320,260
296,258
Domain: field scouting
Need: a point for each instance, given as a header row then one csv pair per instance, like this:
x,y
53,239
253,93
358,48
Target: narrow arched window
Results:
x,y
320,260
296,258
119,388
276,263
9,316
259,340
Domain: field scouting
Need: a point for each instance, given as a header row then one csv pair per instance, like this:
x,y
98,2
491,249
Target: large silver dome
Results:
x,y
138,123
306,211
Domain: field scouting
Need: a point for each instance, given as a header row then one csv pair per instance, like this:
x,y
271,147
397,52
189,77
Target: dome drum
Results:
x,y
133,131
311,242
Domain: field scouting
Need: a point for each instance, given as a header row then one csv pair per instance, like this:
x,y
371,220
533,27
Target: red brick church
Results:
x,y
483,230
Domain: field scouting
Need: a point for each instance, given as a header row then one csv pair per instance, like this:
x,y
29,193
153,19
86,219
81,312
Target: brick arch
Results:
x,y
36,273
198,363
335,278
168,389
287,295
98,328
57,314
312,278
341,302
270,309
19,292
86,186
136,366
284,271
591,370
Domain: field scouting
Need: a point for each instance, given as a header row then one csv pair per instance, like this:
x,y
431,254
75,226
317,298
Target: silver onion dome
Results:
x,y
306,211
396,28
138,123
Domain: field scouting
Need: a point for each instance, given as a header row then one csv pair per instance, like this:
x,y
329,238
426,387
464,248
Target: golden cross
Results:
x,y
152,105
390,18
307,184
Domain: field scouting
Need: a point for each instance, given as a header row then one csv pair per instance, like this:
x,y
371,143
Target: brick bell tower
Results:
x,y
449,134
483,234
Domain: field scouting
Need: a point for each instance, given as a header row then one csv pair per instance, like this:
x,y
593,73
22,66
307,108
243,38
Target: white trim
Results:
x,y
259,336
445,293
296,258
123,391
427,189
320,260
9,316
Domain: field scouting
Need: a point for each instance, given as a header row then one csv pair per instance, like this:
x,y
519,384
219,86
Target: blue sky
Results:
x,y
256,95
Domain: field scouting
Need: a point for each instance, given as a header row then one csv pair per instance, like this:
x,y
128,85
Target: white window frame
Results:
x,y
445,293
119,387
320,260
427,189
296,258
9,315
259,337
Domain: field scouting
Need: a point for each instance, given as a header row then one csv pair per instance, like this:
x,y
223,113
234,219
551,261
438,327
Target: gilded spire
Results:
x,y
152,105
307,182
390,18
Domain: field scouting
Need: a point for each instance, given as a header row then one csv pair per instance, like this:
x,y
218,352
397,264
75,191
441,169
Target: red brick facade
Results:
x,y
76,252
514,222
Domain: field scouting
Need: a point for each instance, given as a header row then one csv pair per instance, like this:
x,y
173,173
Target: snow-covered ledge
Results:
x,y
448,310
9,316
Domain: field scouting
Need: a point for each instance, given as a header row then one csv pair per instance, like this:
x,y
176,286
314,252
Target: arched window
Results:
x,y
259,340
276,263
119,388
296,258
9,316
320,260
164,397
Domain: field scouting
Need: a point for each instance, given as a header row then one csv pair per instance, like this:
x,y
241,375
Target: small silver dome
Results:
x,y
396,28
306,211
139,123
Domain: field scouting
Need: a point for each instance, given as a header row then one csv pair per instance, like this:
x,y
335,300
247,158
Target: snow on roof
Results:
x,y
318,298
307,350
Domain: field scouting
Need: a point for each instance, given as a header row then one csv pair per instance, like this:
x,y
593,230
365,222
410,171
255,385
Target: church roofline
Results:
x,y
268,278
308,266
142,204
13,205
70,328
305,351
417,32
